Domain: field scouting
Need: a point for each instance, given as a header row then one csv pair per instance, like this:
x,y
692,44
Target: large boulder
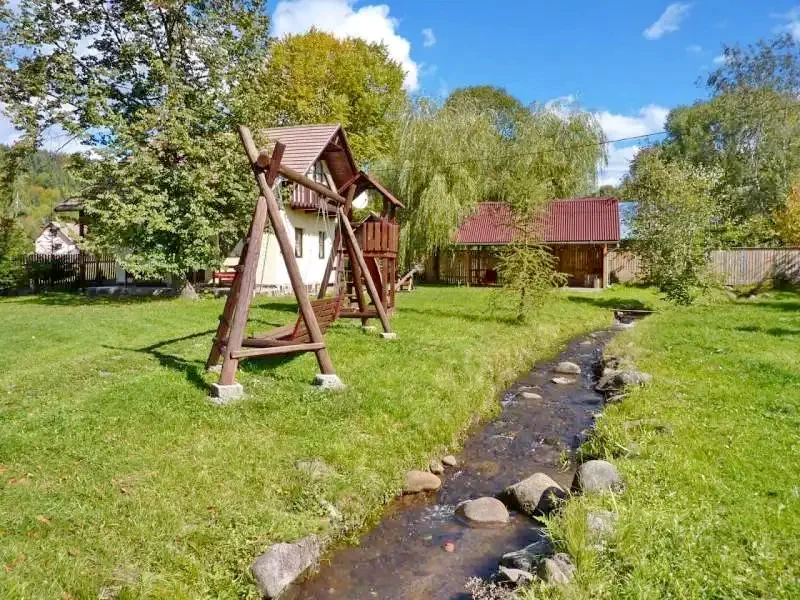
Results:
x,y
536,495
529,557
517,577
567,368
283,563
557,569
615,381
420,481
484,512
596,476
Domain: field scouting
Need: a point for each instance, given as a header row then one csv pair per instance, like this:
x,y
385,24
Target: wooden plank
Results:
x,y
256,342
287,250
278,350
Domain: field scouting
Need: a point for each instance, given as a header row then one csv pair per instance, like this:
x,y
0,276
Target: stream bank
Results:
x,y
421,549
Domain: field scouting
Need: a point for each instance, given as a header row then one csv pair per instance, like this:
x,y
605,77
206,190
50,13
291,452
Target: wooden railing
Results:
x,y
68,271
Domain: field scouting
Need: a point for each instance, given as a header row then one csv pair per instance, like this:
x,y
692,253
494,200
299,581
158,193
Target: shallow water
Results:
x,y
404,556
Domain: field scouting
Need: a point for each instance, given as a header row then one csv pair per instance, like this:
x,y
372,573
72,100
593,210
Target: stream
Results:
x,y
420,550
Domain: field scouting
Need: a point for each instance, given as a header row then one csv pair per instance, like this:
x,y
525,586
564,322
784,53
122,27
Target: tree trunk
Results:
x,y
188,291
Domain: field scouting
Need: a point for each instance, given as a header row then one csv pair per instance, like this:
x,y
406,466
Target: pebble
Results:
x,y
449,460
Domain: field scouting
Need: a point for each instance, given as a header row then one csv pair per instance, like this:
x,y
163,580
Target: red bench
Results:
x,y
224,277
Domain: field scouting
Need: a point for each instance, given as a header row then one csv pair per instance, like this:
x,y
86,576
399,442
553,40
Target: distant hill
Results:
x,y
45,183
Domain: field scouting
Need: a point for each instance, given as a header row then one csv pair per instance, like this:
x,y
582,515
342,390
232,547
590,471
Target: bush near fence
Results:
x,y
735,266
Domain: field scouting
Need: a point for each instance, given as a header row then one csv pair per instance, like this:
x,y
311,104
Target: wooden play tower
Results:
x,y
373,269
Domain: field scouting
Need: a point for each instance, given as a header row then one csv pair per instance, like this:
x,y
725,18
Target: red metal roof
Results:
x,y
570,220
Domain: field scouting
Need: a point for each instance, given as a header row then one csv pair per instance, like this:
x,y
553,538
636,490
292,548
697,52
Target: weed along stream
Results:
x,y
422,549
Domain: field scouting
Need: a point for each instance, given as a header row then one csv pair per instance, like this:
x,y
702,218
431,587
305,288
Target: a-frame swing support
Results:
x,y
229,339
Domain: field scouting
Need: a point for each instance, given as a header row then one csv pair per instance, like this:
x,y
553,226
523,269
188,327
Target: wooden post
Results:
x,y
242,294
373,292
324,360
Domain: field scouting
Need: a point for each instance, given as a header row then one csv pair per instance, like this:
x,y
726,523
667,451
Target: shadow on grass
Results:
x,y
192,369
476,317
774,331
283,306
77,299
611,303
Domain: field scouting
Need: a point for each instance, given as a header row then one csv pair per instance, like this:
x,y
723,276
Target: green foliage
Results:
x,y
528,272
13,247
317,78
155,89
507,111
748,130
452,157
788,219
674,222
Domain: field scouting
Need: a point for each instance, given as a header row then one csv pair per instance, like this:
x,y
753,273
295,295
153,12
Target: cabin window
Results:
x,y
298,242
322,244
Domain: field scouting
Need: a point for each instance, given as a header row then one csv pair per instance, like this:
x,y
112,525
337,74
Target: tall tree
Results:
x,y
154,88
317,78
506,110
673,225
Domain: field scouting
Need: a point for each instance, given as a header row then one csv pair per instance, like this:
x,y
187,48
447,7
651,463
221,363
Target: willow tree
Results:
x,y
454,156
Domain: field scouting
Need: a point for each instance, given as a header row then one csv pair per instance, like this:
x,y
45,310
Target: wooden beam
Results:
x,y
275,162
278,350
373,292
257,342
262,160
241,293
278,226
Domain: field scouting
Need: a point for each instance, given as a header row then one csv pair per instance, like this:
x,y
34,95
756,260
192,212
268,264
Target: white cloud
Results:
x,y
720,60
429,39
792,25
694,49
651,119
619,162
371,23
668,22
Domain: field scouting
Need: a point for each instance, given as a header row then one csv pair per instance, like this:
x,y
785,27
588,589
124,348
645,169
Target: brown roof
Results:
x,y
306,144
69,205
570,220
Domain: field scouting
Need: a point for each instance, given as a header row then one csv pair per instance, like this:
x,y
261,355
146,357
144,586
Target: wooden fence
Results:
x,y
68,271
737,266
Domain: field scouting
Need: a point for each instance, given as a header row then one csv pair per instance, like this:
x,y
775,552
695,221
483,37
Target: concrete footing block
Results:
x,y
329,382
389,336
223,394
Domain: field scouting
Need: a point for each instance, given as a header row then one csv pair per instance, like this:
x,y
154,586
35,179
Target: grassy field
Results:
x,y
712,508
117,476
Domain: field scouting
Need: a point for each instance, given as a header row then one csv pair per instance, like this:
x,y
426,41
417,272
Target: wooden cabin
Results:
x,y
579,231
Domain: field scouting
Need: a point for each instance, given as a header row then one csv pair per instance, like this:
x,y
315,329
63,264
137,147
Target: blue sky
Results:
x,y
629,61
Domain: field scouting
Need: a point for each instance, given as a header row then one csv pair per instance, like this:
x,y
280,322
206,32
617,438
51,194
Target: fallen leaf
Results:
x,y
14,563
19,481
73,552
3,469
67,596
43,519
123,490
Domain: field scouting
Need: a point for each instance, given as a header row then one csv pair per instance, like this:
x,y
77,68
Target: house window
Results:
x,y
322,244
319,172
298,242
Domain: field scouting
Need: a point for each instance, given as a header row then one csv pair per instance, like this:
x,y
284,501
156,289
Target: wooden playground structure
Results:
x,y
363,258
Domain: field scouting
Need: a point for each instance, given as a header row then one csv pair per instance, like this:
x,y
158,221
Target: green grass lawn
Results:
x,y
712,508
116,474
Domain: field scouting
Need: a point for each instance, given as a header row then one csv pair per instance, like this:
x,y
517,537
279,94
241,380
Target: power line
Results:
x,y
537,152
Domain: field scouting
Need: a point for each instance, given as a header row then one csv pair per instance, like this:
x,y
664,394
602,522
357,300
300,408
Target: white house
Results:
x,y
57,239
322,153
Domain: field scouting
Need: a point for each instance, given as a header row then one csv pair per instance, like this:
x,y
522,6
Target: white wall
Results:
x,y
56,243
271,272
